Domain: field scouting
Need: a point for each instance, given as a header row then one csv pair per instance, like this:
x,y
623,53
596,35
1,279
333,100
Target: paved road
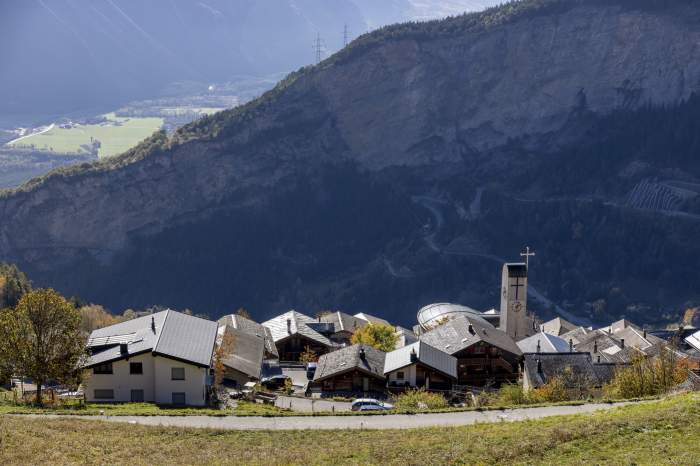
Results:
x,y
46,129
309,405
395,421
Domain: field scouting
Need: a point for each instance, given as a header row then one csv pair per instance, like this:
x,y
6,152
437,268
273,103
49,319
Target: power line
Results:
x,y
346,36
319,47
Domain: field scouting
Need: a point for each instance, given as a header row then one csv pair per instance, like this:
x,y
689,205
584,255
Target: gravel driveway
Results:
x,y
392,421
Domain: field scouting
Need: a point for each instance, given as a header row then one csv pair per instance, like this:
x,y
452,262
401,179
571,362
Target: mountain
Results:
x,y
402,171
80,55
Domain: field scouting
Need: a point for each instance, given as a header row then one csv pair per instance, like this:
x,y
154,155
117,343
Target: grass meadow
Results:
x,y
659,432
117,135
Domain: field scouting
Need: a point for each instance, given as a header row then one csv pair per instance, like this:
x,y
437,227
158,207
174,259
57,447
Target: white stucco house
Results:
x,y
162,358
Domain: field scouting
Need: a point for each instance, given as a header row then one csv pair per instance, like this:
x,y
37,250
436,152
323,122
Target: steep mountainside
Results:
x,y
401,170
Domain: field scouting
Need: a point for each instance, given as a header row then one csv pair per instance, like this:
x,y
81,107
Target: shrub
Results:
x,y
553,391
648,376
511,394
419,399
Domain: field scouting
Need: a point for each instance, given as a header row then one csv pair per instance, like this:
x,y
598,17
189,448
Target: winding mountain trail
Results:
x,y
433,205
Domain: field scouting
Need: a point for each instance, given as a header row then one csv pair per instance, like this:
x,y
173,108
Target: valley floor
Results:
x,y
660,432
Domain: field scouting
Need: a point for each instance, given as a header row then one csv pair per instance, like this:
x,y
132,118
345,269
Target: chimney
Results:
x,y
362,353
414,356
571,345
595,346
123,348
622,343
153,324
538,346
471,329
539,366
645,334
289,326
598,359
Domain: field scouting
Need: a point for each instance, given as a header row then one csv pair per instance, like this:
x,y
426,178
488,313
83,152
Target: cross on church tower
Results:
x,y
527,254
517,285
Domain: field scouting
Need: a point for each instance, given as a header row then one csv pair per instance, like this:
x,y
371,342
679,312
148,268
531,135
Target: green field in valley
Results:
x,y
657,432
116,135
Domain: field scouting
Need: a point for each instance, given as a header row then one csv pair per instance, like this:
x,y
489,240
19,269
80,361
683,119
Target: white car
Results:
x,y
370,404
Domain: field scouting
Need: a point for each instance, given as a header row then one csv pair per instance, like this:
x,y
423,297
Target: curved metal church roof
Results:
x,y
431,314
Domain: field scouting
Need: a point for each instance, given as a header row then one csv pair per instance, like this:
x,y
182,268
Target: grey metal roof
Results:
x,y
168,333
547,344
349,358
425,354
429,316
138,333
694,340
247,351
187,338
293,322
454,336
557,326
242,323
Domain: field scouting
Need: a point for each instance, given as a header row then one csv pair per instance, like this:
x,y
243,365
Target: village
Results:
x,y
455,352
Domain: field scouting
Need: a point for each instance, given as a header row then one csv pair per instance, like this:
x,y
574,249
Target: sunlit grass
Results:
x,y
659,432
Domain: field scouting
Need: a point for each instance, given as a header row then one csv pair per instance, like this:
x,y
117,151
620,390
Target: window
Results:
x,y
178,399
104,394
399,375
103,368
177,373
135,368
137,396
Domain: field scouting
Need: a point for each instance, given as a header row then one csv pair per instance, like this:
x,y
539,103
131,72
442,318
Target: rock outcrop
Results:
x,y
407,107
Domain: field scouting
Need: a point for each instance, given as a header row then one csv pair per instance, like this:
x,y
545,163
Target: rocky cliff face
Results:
x,y
458,110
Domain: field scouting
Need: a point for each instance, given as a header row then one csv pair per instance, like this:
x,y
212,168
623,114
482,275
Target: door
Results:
x,y
365,384
137,396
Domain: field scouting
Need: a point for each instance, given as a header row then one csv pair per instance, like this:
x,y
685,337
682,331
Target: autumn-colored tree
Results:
x,y
647,376
13,285
95,316
308,355
223,351
379,336
44,330
12,346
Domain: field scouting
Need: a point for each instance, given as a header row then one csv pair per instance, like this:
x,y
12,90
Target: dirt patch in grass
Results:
x,y
661,432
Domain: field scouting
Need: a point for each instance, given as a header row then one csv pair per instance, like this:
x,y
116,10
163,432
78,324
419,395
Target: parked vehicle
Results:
x,y
310,370
370,404
275,382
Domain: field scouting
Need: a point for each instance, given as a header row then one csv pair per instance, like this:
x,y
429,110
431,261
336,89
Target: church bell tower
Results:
x,y
514,319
